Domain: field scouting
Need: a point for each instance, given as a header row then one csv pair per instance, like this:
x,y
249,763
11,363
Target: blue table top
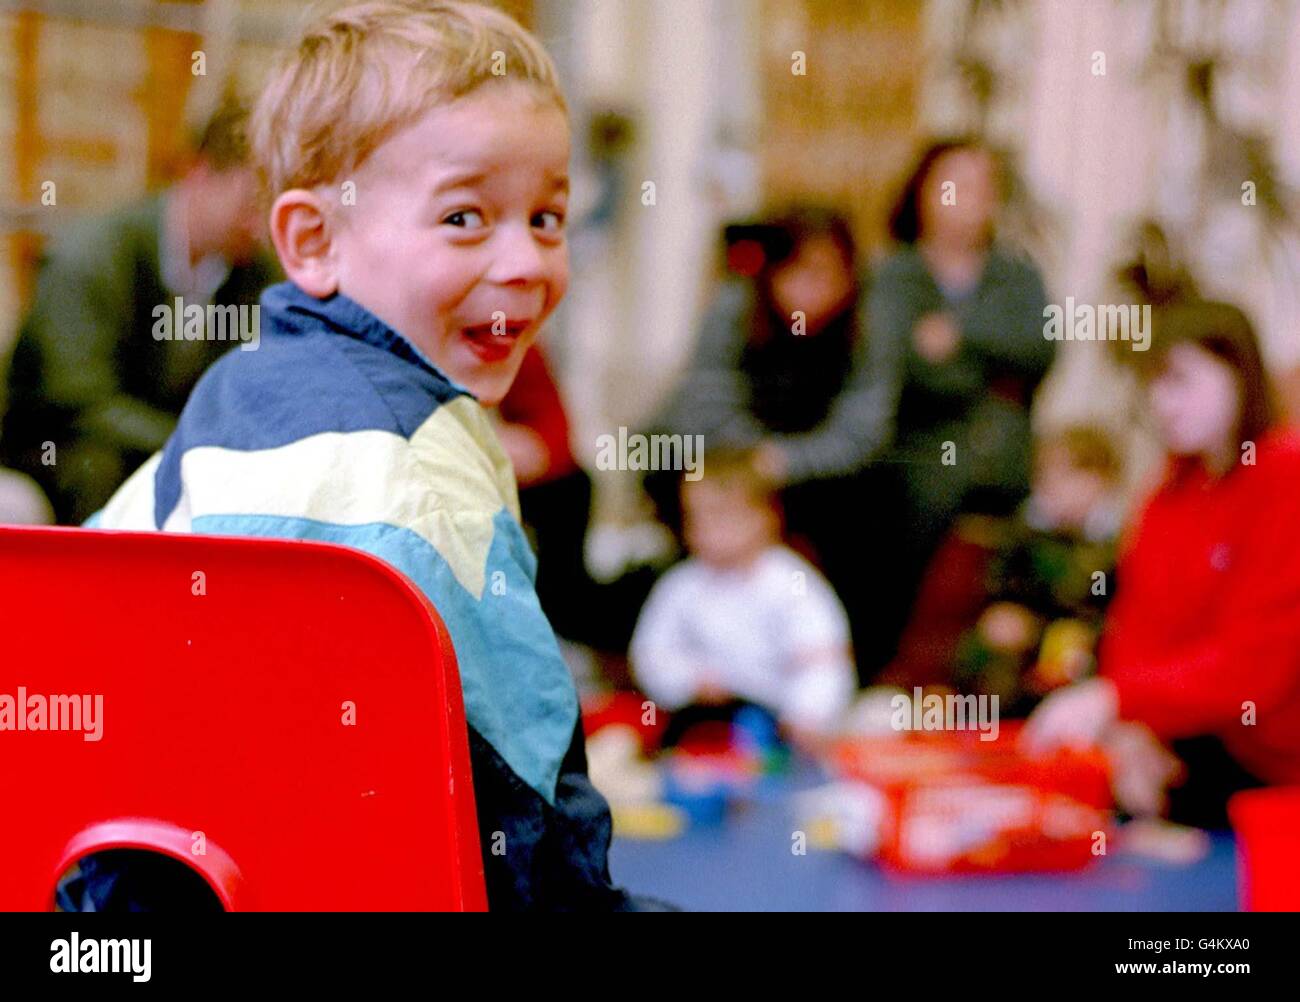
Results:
x,y
746,864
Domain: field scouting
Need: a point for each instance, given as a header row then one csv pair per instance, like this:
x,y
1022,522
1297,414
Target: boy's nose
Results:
x,y
519,260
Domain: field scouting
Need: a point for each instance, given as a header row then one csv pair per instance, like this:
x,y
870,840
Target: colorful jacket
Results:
x,y
337,429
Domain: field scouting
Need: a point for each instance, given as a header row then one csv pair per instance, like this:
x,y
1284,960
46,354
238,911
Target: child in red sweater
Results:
x,y
1202,642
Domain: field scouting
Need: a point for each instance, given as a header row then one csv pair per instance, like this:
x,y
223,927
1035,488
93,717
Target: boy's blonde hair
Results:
x,y
369,69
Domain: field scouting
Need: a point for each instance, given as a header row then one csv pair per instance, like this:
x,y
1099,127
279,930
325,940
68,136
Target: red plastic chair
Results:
x,y
224,714
1267,823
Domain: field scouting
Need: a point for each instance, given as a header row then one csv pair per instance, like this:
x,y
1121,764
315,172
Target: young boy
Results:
x,y
417,154
743,618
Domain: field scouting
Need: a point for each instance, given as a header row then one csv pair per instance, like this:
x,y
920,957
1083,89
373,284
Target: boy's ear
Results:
x,y
302,232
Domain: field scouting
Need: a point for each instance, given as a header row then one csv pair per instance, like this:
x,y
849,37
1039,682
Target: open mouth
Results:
x,y
491,346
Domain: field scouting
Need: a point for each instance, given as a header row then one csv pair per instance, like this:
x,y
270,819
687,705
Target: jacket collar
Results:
x,y
295,312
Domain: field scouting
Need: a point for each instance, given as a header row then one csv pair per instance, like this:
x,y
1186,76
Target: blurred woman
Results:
x,y
781,367
1202,642
956,324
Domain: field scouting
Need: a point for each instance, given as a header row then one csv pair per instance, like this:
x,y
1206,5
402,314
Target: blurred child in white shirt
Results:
x,y
743,617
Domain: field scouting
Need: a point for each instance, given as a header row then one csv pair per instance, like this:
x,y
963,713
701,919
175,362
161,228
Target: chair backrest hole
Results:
x,y
133,880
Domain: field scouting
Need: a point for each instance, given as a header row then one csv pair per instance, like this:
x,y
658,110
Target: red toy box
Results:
x,y
956,804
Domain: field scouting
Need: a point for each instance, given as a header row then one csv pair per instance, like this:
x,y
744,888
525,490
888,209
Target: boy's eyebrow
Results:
x,y
471,178
460,179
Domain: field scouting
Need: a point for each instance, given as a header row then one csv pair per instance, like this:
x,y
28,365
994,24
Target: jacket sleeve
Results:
x,y
1247,656
663,669
823,678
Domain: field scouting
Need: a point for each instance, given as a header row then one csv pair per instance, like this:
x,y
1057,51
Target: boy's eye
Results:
x,y
549,220
470,219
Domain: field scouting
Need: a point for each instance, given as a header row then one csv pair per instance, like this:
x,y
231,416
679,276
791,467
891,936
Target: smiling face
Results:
x,y
456,239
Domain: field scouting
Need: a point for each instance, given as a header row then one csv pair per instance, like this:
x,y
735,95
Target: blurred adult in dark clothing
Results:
x,y
781,363
91,392
782,366
956,324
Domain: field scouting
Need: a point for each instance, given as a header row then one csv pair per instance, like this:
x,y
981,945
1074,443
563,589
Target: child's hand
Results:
x,y
1077,716
770,463
807,740
711,693
936,337
1141,768
710,688
1008,627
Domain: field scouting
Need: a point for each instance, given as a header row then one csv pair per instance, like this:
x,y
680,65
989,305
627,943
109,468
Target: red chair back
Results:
x,y
285,717
1267,825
